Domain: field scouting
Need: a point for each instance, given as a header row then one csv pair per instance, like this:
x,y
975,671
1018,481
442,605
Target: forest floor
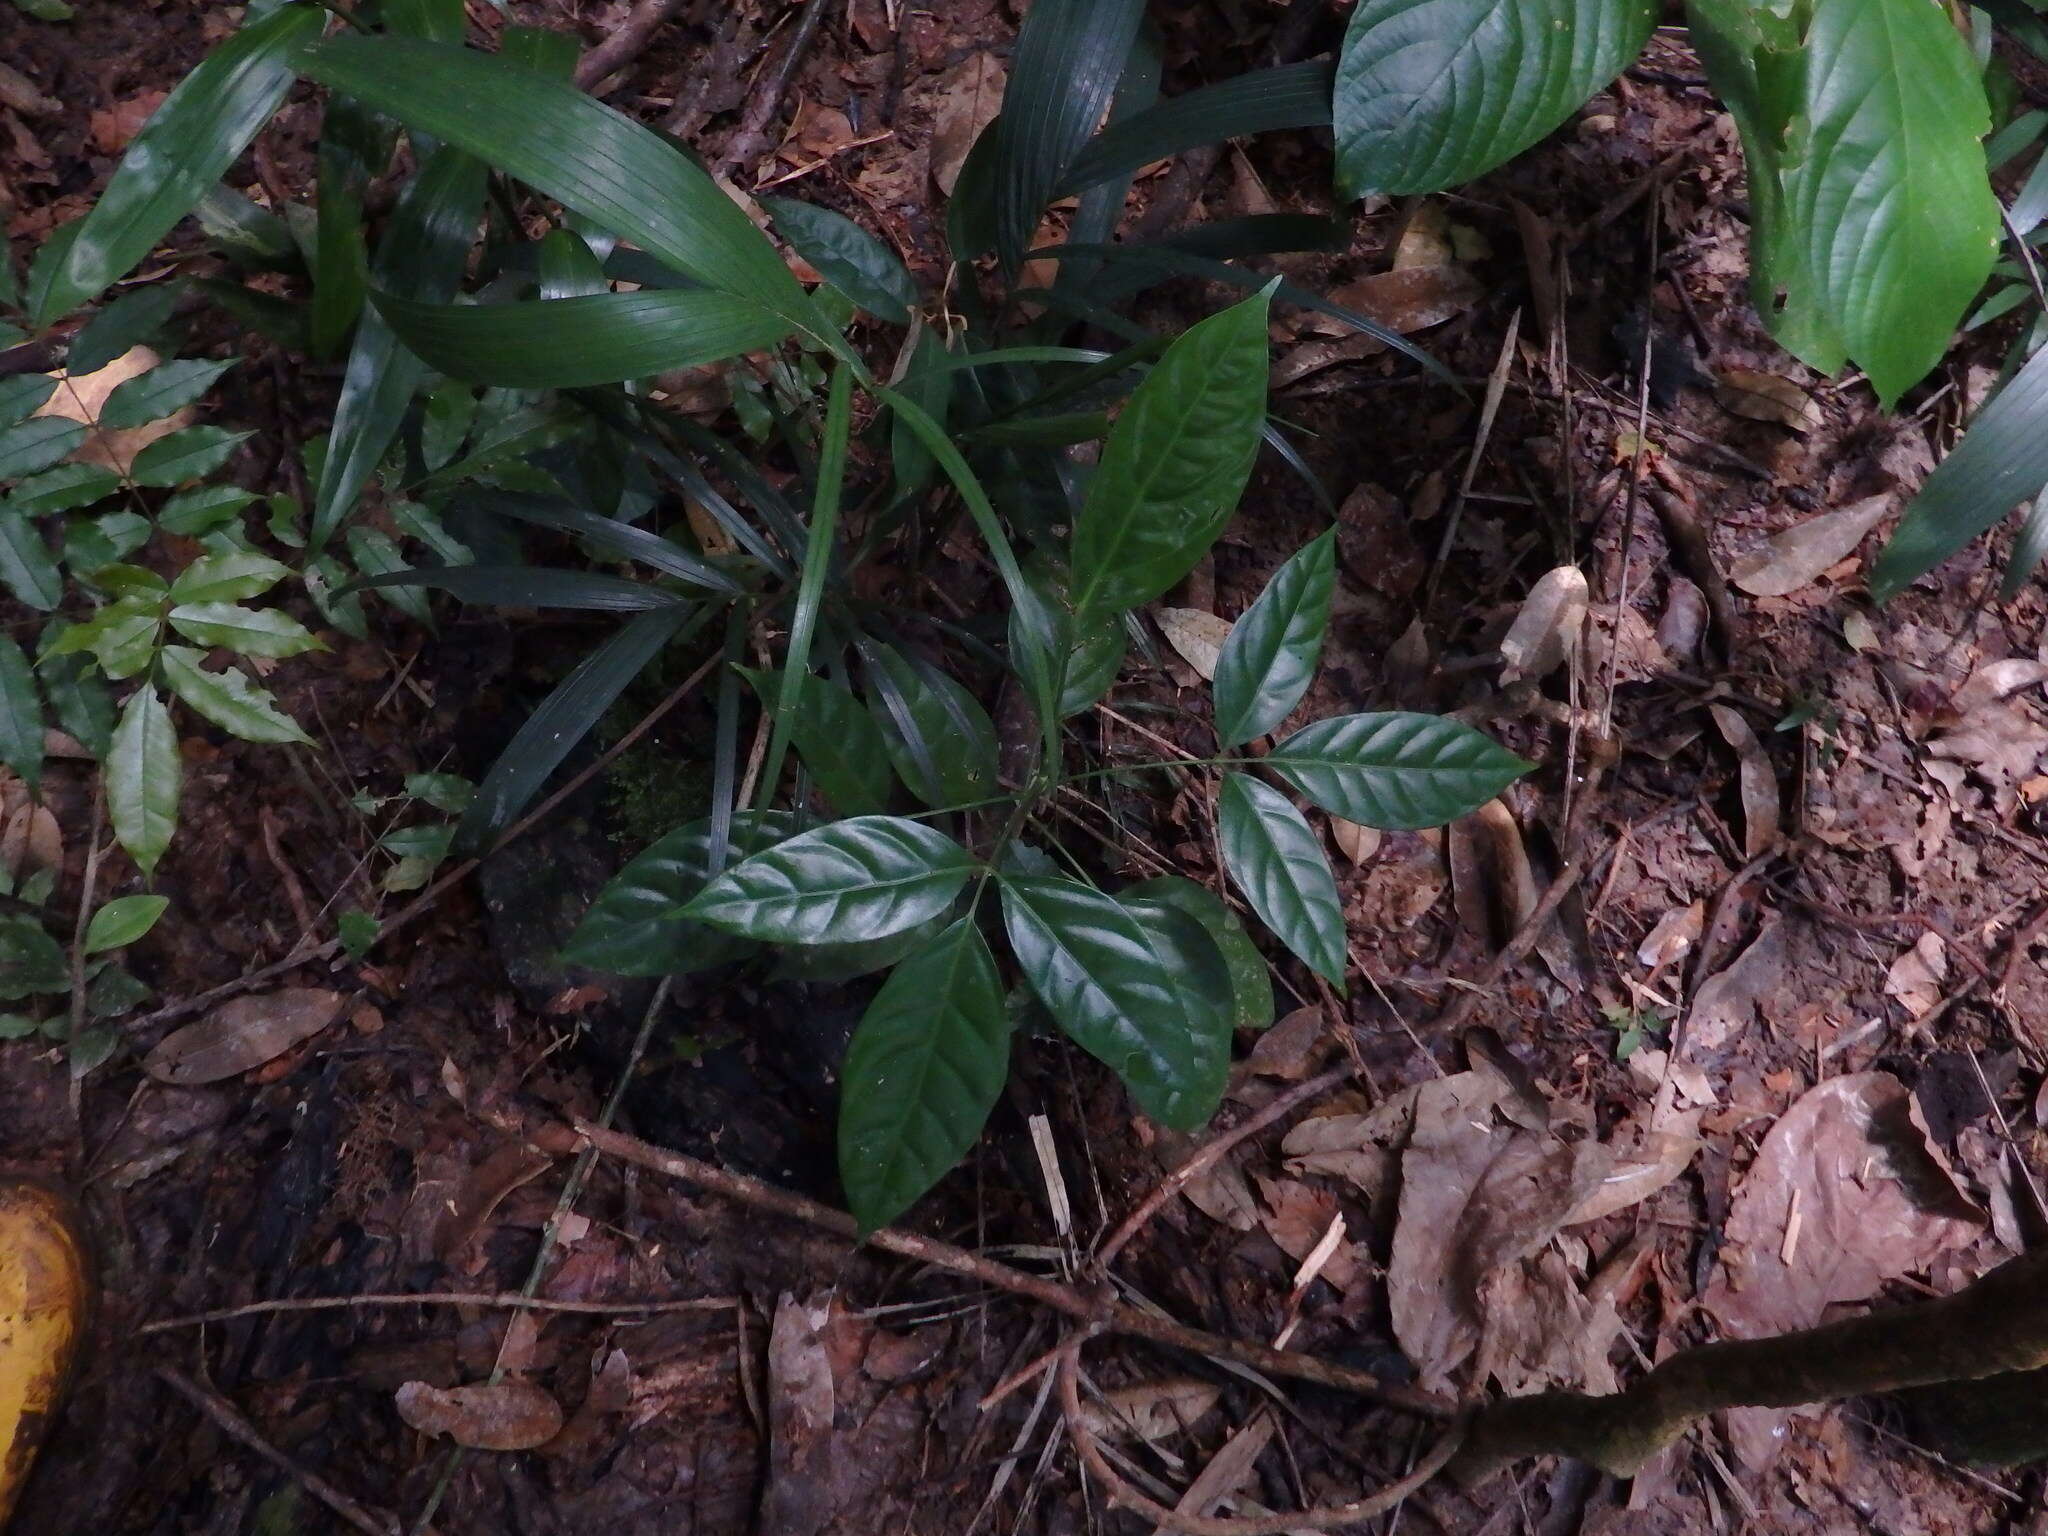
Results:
x,y
1789,1014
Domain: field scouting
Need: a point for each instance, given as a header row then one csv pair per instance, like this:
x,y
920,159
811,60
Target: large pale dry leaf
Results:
x,y
242,1034
1491,881
1155,1411
1761,810
30,840
1220,1191
1729,1001
2001,744
1645,1158
1845,1194
1426,239
83,398
1795,558
1197,635
1547,627
513,1415
1541,1330
1915,978
1767,397
1997,680
970,95
800,1495
1411,299
1356,843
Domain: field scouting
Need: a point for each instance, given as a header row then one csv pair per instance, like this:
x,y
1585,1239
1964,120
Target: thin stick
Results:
x,y
625,44
433,1299
1104,1313
78,929
1206,1155
240,1429
1122,1493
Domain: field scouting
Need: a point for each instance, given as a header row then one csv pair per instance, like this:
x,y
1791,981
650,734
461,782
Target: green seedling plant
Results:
x,y
41,975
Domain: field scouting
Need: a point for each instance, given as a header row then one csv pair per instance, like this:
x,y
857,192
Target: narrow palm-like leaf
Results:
x,y
1270,658
863,878
1276,860
925,1067
143,778
1259,101
184,148
615,538
1395,770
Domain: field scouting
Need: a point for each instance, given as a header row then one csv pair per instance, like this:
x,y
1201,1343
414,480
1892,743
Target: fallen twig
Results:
x,y
434,1299
752,139
626,43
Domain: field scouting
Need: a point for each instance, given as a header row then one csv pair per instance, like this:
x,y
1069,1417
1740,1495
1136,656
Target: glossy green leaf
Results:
x,y
62,488
838,741
348,158
36,444
227,577
1277,861
923,1070
21,715
848,257
633,929
1175,463
570,343
248,234
1270,658
567,146
26,568
250,631
863,878
831,964
1395,770
1251,982
80,700
228,698
122,636
565,717
2001,462
2029,547
203,509
31,962
1132,987
184,455
22,394
143,778
184,148
163,391
1432,93
1258,101
122,921
941,741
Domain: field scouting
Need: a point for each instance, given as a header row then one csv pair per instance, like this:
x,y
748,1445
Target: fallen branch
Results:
x,y
626,43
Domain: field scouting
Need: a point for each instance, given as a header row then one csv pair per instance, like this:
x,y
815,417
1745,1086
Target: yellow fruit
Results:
x,y
45,1286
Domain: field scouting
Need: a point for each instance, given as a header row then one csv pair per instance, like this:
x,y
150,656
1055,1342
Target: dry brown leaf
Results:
x,y
1767,397
1297,1217
800,1495
242,1034
1645,1159
478,1195
1915,978
1859,633
1197,636
30,840
2002,744
1728,1001
1547,628
1292,1047
1761,810
1997,680
970,95
1845,1194
1155,1411
1673,937
1411,299
1220,1191
1426,241
1541,1330
83,398
1797,557
513,1415
1491,881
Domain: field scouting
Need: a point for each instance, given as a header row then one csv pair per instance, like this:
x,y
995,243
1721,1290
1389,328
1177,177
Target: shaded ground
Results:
x,y
1814,838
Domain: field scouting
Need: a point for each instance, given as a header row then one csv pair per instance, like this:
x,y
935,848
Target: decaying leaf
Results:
x,y
1845,1194
1767,397
800,1493
83,398
1998,680
241,1034
1646,1154
970,95
1547,627
1673,937
1220,1191
1728,1001
1795,558
1155,1411
1292,1047
1491,881
30,839
513,1415
1915,978
1298,1218
1356,843
1196,635
1411,299
1760,807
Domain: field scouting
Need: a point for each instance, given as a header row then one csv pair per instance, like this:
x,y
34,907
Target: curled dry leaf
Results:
x,y
1997,680
1915,978
242,1034
1411,299
1647,1154
1795,558
1298,1219
1767,397
1220,1191
1356,843
1548,626
1760,806
513,1415
1673,937
1731,999
970,95
1196,635
1491,881
1683,623
30,840
1155,1411
83,398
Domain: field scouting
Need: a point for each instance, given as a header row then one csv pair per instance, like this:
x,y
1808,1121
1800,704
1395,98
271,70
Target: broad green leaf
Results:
x,y
1278,862
1270,658
1432,93
1175,463
848,257
184,455
161,392
122,636
1251,983
376,555
2029,546
449,793
203,509
1395,770
570,343
80,700
445,418
128,581
122,921
143,777
352,150
63,488
423,252
91,544
569,269
923,1070
632,929
26,568
248,234
863,878
184,148
1132,987
567,146
36,444
1259,101
249,631
838,741
21,714
31,962
228,699
939,738
831,964
2001,462
22,394
227,577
